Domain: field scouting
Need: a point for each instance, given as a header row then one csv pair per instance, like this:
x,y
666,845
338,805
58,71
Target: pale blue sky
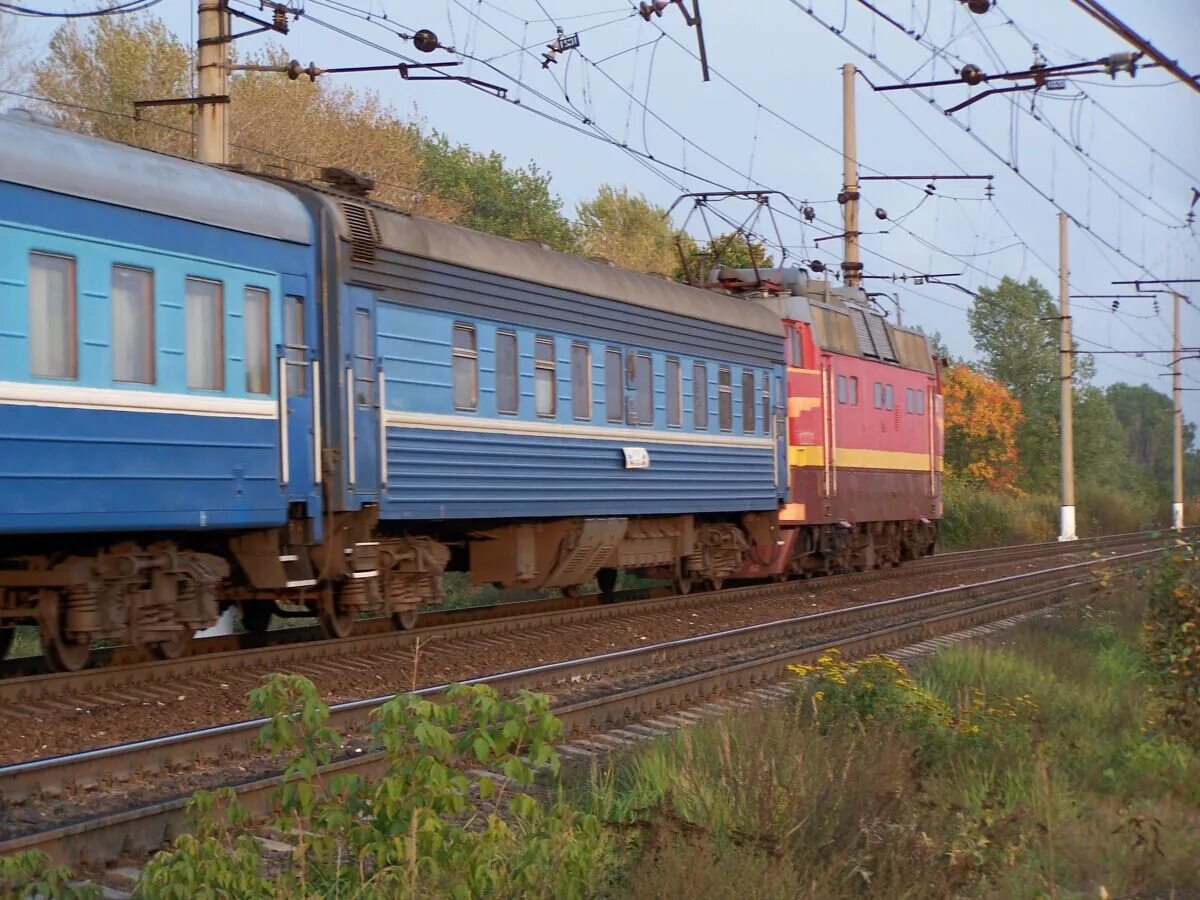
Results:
x,y
779,126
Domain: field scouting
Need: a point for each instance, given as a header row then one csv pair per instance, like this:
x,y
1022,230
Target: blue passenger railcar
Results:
x,y
538,418
148,307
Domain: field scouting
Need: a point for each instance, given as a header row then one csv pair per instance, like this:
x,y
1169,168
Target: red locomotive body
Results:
x,y
864,434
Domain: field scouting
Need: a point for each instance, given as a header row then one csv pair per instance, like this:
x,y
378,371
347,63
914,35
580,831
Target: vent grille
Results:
x,y
880,334
863,333
364,233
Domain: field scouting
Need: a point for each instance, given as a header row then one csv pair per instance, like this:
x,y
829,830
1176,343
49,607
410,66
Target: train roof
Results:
x,y
392,229
53,159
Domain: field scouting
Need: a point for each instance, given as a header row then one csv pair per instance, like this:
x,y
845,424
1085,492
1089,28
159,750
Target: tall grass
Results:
x,y
1034,768
975,517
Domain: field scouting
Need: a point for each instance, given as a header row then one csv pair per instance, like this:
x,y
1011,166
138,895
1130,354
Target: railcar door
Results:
x,y
362,383
295,382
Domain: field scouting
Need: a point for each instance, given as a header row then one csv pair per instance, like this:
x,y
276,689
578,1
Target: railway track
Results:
x,y
590,691
123,667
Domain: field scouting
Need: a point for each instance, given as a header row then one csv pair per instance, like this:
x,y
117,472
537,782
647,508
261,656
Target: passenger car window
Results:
x,y
543,377
748,402
700,396
766,403
581,382
841,389
508,397
52,340
724,399
205,343
256,332
643,385
465,362
852,393
674,388
295,347
614,386
131,296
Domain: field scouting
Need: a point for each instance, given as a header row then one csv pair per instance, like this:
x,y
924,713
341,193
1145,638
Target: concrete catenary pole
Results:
x,y
212,67
851,264
1177,401
1066,528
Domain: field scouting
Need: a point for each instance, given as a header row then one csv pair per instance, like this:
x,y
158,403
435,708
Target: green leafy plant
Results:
x,y
437,823
30,874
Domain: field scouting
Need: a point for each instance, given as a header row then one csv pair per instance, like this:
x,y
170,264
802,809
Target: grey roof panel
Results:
x,y
532,262
53,159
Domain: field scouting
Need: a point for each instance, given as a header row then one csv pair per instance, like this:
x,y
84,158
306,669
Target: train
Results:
x,y
219,388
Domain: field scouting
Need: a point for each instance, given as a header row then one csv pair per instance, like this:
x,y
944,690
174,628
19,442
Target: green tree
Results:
x,y
12,56
628,230
1147,420
515,203
1101,452
729,250
1015,327
94,72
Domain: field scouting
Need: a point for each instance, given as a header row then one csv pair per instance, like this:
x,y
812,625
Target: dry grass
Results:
x,y
964,791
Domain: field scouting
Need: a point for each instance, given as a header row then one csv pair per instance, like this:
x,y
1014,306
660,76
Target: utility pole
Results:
x,y
212,67
1177,398
851,264
1066,528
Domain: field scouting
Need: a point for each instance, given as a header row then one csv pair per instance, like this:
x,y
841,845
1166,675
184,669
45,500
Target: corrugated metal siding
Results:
x,y
78,470
438,474
465,292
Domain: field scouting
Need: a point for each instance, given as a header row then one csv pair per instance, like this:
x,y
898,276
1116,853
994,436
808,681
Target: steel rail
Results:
x,y
499,620
234,739
147,828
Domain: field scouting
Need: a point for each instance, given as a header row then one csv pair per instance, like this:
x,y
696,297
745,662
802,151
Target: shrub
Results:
x,y
1172,635
416,832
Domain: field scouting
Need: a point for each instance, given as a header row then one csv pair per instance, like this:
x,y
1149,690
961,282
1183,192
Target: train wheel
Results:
x,y
683,584
335,621
256,616
62,653
174,647
715,584
6,640
405,621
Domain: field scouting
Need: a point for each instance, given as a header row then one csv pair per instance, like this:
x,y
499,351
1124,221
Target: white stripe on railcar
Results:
x,y
439,422
75,397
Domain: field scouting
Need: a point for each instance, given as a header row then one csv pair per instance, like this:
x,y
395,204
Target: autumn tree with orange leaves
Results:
x,y
981,425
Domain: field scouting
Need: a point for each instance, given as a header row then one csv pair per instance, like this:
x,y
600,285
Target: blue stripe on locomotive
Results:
x,y
64,468
492,465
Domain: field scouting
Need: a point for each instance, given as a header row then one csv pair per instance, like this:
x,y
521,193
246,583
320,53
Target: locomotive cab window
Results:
x,y
795,350
581,382
507,391
256,333
131,295
841,389
919,396
543,377
748,402
52,342
887,396
852,390
700,396
614,386
674,388
724,399
465,368
643,387
205,345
